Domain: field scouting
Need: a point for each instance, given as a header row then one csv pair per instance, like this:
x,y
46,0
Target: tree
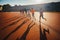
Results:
x,y
6,7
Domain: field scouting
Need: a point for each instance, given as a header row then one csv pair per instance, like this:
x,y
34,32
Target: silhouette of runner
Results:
x,y
25,12
26,32
43,33
41,14
28,14
22,12
32,11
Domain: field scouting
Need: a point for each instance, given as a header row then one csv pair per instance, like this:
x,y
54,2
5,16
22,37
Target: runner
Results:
x,y
32,11
28,14
41,14
25,12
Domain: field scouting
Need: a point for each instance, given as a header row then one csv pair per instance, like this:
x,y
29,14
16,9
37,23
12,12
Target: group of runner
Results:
x,y
30,12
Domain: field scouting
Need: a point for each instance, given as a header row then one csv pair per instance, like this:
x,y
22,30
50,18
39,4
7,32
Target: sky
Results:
x,y
25,2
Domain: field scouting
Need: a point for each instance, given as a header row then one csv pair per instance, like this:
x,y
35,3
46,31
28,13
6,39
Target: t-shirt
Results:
x,y
32,11
41,13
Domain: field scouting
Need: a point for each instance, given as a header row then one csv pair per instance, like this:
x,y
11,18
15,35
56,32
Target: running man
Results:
x,y
28,13
41,14
32,11
25,12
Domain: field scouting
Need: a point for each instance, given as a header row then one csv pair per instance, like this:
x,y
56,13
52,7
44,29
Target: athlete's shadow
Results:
x,y
43,33
26,32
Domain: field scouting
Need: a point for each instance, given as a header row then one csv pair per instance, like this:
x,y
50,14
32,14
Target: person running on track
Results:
x,y
41,14
32,11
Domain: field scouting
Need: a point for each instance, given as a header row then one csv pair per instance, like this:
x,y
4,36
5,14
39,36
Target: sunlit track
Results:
x,y
13,23
6,21
21,27
15,29
51,28
9,18
23,37
10,28
19,31
2,24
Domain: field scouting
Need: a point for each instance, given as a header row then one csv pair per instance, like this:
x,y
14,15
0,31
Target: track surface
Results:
x,y
15,26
